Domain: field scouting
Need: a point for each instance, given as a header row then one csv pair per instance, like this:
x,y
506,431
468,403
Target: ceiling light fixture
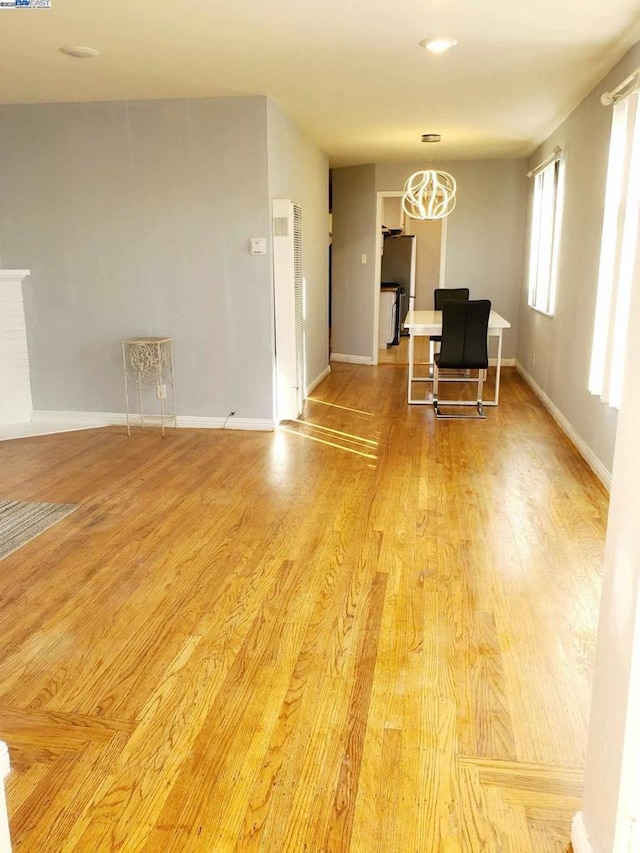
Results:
x,y
438,45
79,52
429,194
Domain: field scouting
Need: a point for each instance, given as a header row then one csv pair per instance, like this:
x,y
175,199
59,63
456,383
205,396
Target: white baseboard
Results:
x,y
195,422
579,838
5,767
351,359
314,383
78,419
596,465
85,420
50,423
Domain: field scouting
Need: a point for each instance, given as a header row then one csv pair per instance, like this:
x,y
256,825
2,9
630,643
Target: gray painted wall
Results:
x,y
354,234
300,171
134,219
485,232
562,343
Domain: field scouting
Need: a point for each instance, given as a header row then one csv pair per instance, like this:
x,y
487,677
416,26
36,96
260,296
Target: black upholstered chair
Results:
x,y
463,348
440,296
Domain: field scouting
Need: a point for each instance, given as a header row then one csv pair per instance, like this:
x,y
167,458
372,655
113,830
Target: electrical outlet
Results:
x,y
161,391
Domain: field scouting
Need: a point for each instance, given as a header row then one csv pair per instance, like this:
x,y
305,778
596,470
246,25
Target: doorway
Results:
x,y
430,258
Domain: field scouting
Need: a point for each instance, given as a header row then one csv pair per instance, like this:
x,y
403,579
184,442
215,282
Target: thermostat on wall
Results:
x,y
258,245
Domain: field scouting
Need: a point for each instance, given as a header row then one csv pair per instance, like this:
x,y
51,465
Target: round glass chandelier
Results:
x,y
429,194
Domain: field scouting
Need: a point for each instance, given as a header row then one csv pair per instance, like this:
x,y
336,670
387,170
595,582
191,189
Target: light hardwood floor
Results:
x,y
365,632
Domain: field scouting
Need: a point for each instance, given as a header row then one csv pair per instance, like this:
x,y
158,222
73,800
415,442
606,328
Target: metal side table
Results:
x,y
148,363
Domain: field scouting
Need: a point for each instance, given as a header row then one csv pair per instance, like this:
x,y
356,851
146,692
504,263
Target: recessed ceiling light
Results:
x,y
80,52
438,45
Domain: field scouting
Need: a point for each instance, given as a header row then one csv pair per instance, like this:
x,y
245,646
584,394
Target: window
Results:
x,y
617,253
546,223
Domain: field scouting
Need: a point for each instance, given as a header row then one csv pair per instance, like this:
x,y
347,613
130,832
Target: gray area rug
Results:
x,y
21,522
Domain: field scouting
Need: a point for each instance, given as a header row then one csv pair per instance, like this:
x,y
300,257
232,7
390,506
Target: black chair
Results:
x,y
464,347
440,296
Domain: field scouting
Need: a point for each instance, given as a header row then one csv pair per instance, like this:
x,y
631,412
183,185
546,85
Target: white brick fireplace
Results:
x,y
15,385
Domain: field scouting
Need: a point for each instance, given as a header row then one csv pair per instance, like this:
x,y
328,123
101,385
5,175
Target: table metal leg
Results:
x,y
411,342
497,395
413,378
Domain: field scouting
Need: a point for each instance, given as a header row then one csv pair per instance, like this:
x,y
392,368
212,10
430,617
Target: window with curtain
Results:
x,y
617,252
546,224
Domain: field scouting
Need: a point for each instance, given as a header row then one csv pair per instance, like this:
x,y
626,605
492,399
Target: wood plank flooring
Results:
x,y
368,631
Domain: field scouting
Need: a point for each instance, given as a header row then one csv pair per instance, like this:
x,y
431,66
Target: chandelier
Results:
x,y
430,194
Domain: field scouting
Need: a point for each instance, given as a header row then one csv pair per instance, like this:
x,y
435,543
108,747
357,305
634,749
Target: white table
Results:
x,y
428,323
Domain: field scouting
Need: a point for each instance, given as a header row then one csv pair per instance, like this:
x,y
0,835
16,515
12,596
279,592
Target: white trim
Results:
x,y
195,422
351,359
5,769
14,275
579,838
377,276
314,383
74,420
5,766
596,465
32,429
539,310
86,420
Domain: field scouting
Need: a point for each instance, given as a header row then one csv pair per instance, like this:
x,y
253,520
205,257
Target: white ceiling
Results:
x,y
349,72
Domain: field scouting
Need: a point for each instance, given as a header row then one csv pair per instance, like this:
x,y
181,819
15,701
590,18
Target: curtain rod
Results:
x,y
556,154
608,98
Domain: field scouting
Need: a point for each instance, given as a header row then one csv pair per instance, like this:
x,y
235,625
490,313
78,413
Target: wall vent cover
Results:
x,y
280,226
